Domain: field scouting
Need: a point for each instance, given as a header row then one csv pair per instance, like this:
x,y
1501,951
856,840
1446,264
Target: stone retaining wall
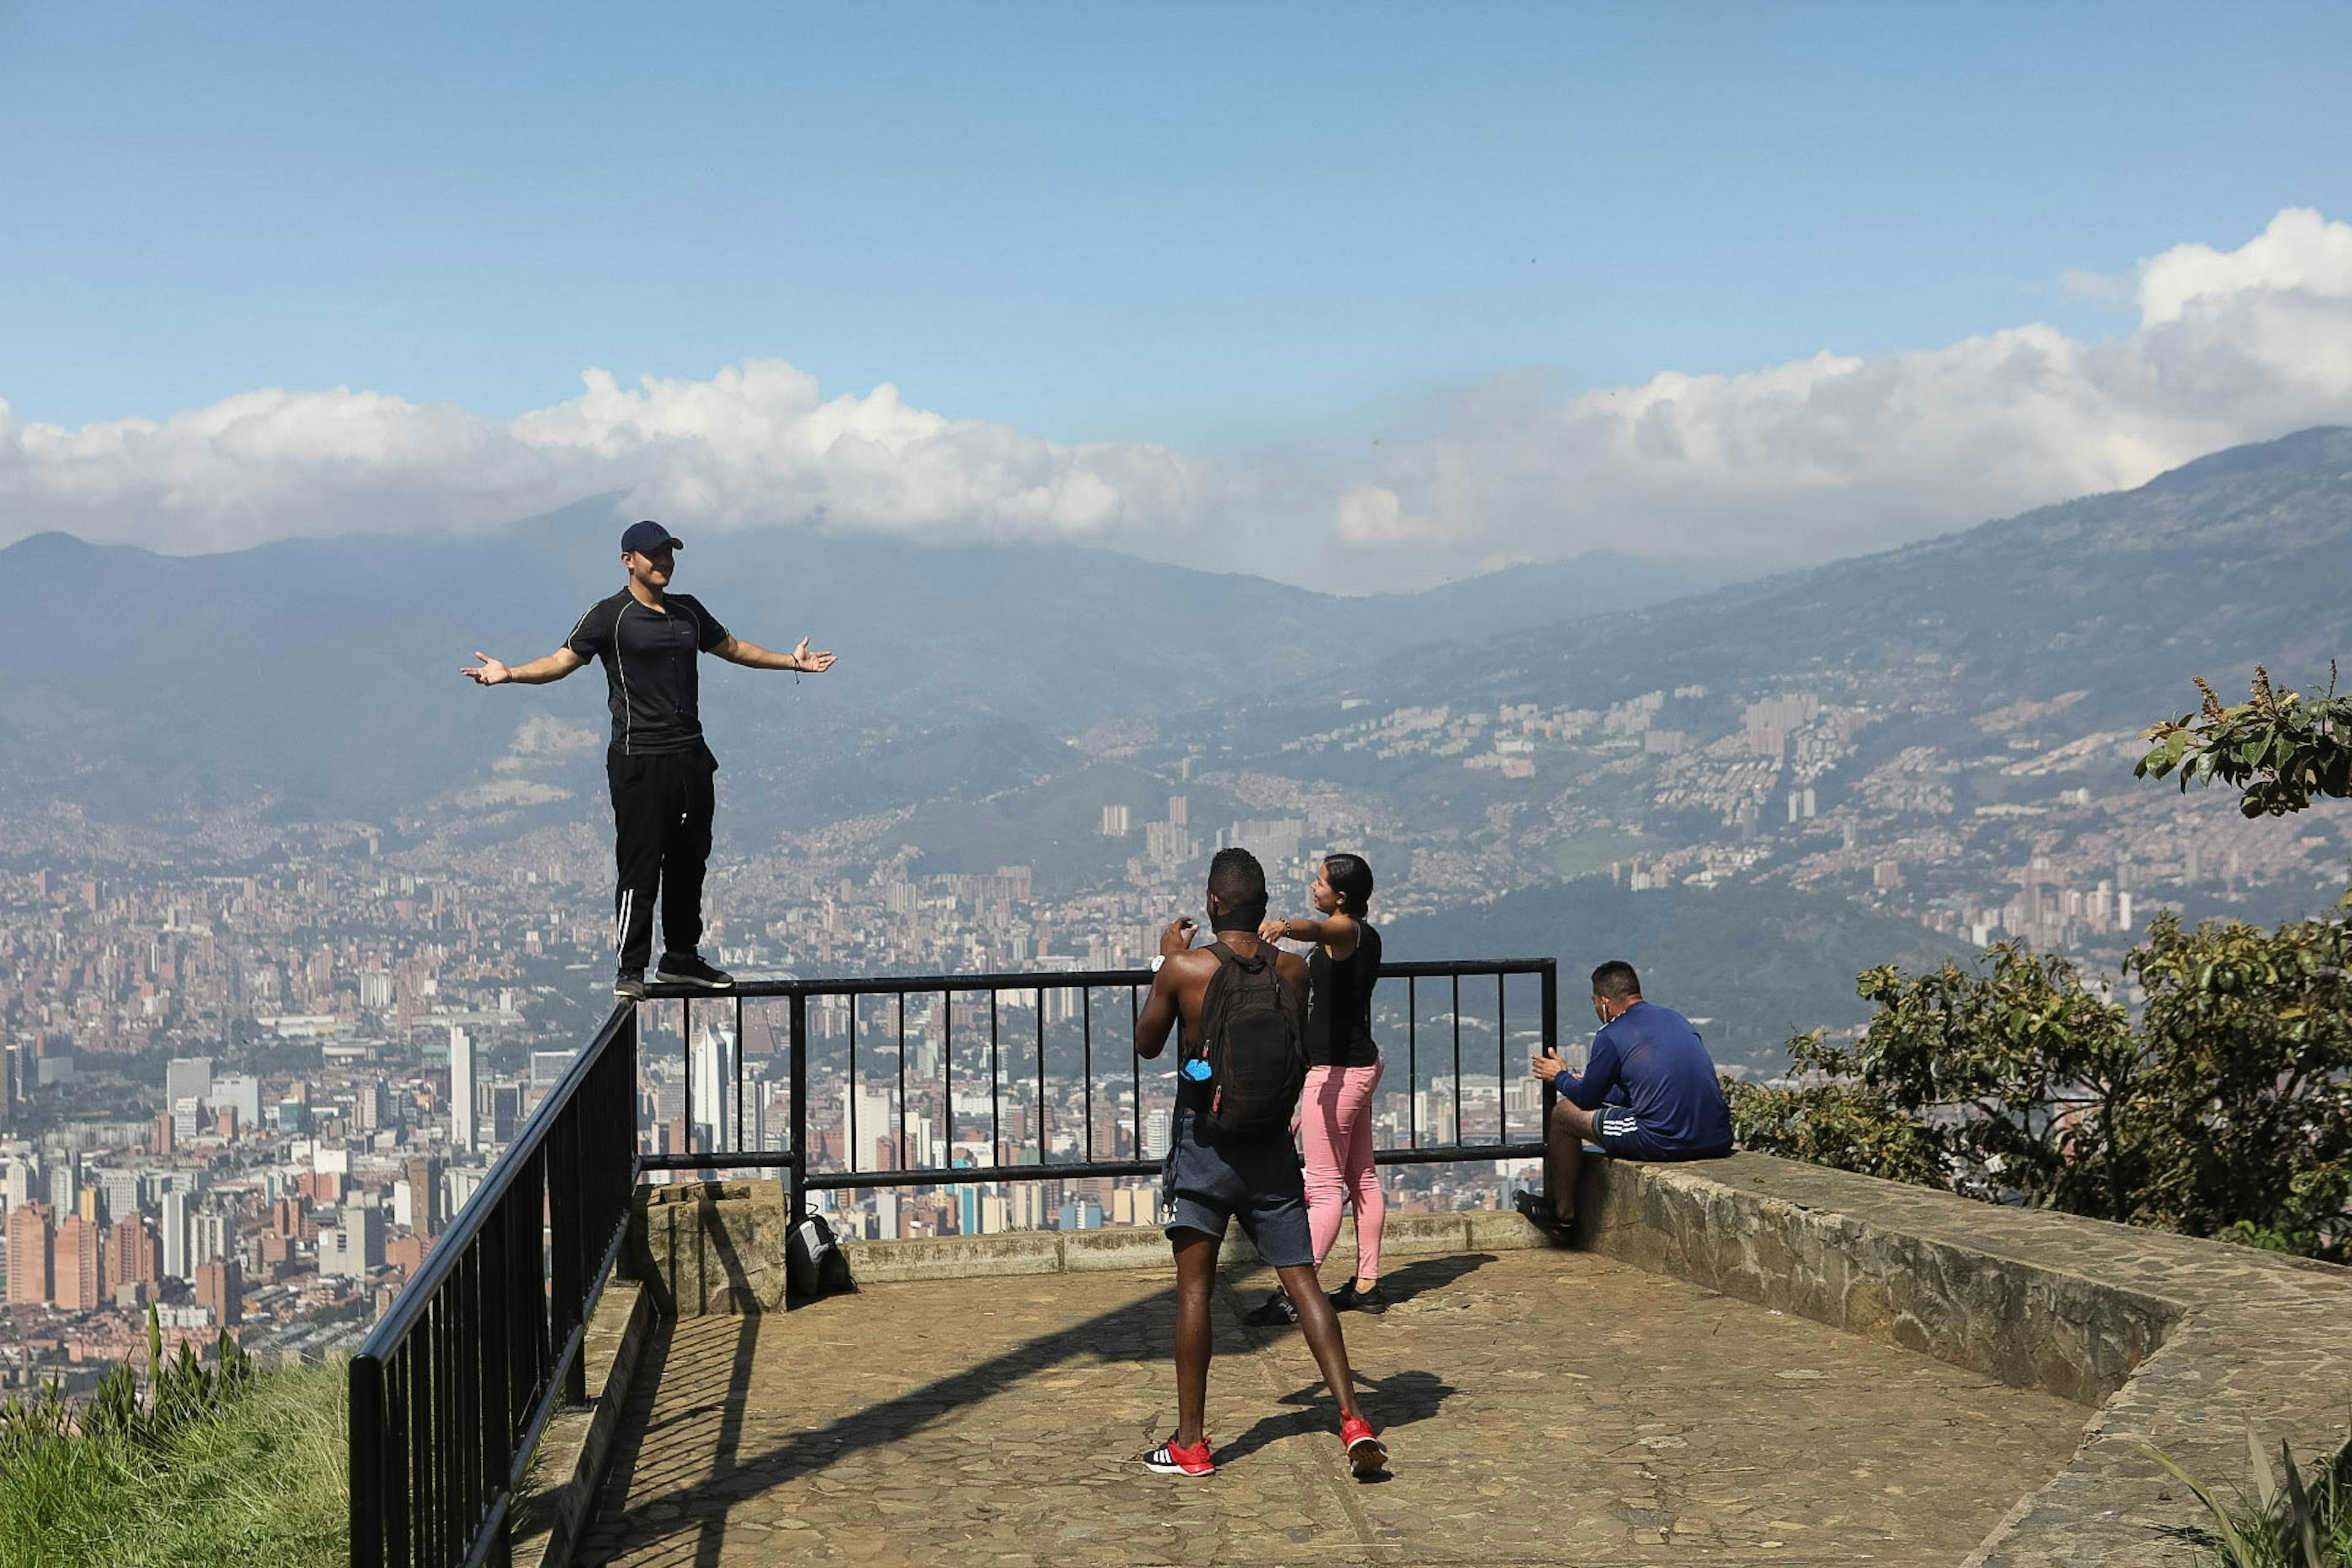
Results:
x,y
2169,1341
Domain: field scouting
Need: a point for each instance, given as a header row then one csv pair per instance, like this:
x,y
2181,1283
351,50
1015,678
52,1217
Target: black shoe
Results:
x,y
629,985
687,968
1539,1210
1348,1299
1275,1312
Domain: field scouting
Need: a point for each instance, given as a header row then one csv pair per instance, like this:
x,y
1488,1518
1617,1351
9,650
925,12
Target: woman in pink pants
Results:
x,y
1335,1112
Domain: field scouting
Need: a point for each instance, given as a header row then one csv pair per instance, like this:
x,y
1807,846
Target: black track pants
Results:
x,y
661,839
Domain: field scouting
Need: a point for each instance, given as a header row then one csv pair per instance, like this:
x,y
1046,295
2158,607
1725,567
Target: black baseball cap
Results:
x,y
645,537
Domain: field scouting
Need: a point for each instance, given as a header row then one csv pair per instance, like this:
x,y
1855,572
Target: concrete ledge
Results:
x,y
576,1451
2169,1341
1143,1246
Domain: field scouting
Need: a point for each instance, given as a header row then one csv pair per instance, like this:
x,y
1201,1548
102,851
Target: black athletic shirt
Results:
x,y
1340,1017
649,677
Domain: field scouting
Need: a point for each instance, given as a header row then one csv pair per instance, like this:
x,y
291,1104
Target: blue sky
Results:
x,y
1223,228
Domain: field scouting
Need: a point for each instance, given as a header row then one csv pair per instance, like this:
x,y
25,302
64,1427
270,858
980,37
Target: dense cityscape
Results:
x,y
252,1073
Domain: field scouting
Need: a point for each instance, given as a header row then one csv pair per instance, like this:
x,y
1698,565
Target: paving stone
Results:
x,y
1543,1407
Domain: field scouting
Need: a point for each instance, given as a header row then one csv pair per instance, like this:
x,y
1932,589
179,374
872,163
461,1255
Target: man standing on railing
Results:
x,y
657,768
1649,1092
1243,1006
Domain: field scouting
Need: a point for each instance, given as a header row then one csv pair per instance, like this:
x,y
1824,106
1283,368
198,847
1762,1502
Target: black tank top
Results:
x,y
1340,1012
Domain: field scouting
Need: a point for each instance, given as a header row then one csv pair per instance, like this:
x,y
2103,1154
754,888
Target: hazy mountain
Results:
x,y
326,671
1757,964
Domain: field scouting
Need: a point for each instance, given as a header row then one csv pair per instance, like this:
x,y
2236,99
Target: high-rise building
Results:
x,y
209,1234
239,1091
461,1090
713,1070
1115,821
175,1236
32,1256
505,1111
426,1196
220,1291
354,1246
80,1283
133,1255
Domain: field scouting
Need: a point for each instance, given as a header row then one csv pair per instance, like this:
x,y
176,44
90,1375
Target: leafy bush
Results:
x,y
2281,747
2224,1110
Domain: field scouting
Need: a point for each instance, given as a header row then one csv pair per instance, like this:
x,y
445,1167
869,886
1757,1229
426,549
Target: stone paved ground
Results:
x,y
1543,1407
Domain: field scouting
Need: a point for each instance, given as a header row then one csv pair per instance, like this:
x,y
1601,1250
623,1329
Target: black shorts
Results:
x,y
1621,1136
1206,1182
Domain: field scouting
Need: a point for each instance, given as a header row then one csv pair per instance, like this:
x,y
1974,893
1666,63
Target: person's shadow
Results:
x,y
1399,1399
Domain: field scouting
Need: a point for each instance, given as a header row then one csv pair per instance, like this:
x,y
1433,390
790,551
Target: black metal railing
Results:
x,y
450,1392
1017,1066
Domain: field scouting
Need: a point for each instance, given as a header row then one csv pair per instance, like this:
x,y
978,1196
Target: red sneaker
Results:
x,y
1367,1455
1172,1459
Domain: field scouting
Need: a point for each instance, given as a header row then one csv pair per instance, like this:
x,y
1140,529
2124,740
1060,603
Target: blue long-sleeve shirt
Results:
x,y
1651,1059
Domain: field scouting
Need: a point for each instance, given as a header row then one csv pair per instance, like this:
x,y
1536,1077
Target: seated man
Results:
x,y
1246,989
1649,1092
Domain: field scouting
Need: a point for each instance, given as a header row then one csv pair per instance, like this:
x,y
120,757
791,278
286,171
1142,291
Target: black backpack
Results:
x,y
1250,1037
814,1264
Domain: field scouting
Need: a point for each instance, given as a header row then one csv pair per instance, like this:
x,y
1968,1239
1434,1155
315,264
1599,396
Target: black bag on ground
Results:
x,y
1250,1034
814,1264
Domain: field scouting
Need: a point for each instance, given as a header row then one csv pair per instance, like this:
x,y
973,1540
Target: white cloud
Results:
x,y
1786,464
1834,454
756,443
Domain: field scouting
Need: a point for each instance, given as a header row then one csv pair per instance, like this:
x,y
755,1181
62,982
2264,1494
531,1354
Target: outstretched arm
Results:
x,y
752,655
538,672
1336,935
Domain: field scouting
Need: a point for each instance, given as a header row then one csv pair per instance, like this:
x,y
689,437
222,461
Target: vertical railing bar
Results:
x,y
367,1500
1087,1051
1039,996
1457,1061
798,1016
946,1073
685,1060
901,1151
1135,1065
1502,1068
852,1098
995,1121
1549,1026
1412,1060
739,1074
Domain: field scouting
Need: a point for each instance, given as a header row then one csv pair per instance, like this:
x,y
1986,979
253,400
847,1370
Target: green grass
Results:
x,y
262,1483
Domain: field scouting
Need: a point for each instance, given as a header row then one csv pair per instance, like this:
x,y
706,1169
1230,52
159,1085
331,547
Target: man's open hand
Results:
x,y
815,663
489,672
1548,1067
1177,938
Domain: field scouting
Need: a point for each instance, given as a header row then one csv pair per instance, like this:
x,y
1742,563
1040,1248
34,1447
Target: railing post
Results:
x,y
798,1013
1551,1036
367,1462
564,1198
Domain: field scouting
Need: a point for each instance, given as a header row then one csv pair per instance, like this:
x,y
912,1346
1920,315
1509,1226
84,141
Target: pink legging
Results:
x,y
1335,1119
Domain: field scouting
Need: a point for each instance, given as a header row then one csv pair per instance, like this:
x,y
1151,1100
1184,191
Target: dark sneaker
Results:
x,y
1538,1208
1367,1455
1171,1459
687,968
1276,1311
629,985
1348,1299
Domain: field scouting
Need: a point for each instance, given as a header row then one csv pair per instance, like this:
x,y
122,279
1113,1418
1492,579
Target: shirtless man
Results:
x,y
1214,1176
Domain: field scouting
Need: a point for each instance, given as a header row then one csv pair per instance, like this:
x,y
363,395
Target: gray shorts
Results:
x,y
1255,1180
